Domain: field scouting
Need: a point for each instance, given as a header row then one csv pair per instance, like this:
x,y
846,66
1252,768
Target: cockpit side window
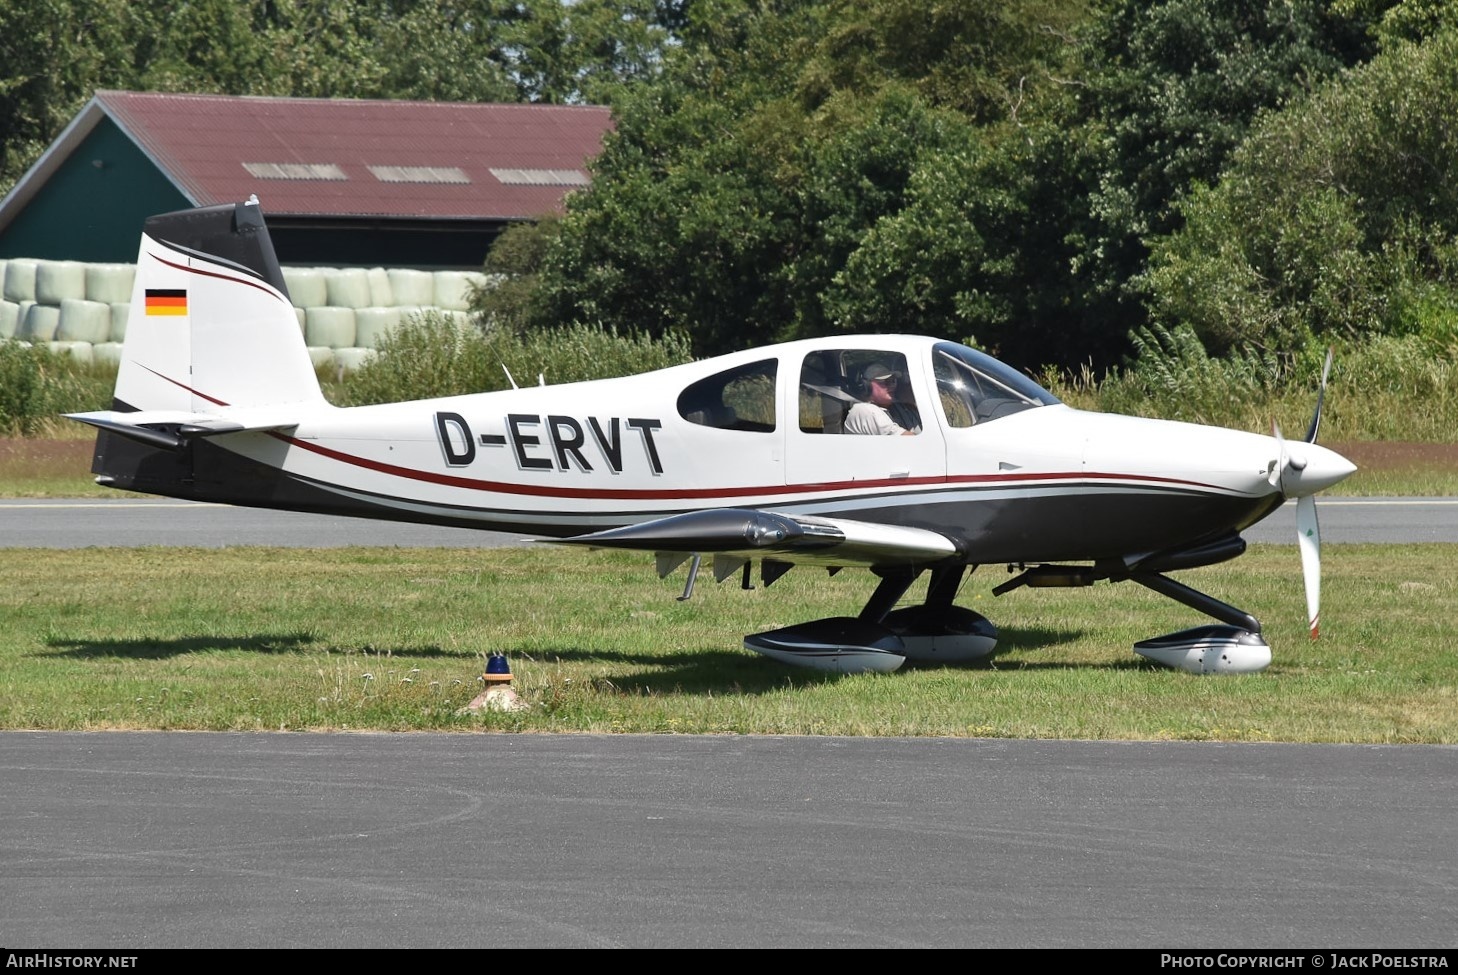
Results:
x,y
975,388
824,393
837,395
742,398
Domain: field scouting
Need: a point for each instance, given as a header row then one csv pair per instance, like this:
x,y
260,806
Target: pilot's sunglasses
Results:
x,y
888,381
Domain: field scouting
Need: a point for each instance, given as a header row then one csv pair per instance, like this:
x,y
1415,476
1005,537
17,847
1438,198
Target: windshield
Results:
x,y
974,387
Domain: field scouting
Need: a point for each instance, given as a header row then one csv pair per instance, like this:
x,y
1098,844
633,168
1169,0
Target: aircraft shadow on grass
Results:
x,y
711,671
698,671
150,648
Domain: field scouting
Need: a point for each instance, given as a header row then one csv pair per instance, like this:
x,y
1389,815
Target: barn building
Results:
x,y
342,182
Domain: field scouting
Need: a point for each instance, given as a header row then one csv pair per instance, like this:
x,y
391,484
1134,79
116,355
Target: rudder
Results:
x,y
211,324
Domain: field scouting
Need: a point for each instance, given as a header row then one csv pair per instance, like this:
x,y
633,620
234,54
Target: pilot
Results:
x,y
882,413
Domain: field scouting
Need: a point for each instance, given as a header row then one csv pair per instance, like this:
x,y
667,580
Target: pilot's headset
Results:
x,y
875,370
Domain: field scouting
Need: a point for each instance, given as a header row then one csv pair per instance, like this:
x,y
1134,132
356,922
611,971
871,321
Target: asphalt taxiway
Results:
x,y
119,840
123,840
103,522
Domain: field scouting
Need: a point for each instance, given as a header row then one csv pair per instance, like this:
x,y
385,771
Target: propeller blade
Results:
x,y
1278,466
1300,471
1320,396
1308,536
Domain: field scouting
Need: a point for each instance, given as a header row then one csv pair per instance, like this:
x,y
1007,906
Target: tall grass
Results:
x,y
37,385
431,355
1383,388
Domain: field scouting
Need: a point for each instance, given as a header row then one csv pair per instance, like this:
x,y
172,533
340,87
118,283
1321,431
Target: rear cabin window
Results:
x,y
742,398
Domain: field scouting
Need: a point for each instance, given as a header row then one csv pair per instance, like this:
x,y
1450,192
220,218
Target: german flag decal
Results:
x,y
166,301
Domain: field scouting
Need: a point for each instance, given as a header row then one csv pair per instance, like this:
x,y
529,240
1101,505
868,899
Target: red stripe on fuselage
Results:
x,y
549,491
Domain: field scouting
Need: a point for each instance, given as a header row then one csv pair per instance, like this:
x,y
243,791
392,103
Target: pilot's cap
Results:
x,y
877,372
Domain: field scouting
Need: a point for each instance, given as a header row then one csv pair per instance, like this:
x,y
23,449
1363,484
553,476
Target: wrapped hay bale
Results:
x,y
352,359
22,310
329,327
411,314
410,287
39,323
452,289
373,324
381,294
107,352
19,280
84,321
348,287
9,318
56,281
307,286
79,351
321,357
119,312
109,283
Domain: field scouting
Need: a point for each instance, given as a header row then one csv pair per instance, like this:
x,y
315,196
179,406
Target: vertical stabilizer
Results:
x,y
211,324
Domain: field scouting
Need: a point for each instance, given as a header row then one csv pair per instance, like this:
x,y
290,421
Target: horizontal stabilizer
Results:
x,y
171,429
800,539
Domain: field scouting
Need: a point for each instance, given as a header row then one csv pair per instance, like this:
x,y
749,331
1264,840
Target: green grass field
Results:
x,y
396,639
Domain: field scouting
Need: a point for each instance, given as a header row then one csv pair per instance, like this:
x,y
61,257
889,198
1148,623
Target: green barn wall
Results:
x,y
93,213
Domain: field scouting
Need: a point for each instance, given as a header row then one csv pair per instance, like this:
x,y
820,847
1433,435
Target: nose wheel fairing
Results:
x,y
1213,649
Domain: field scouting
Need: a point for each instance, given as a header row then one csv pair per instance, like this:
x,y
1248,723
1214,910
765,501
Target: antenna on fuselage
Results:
x,y
508,376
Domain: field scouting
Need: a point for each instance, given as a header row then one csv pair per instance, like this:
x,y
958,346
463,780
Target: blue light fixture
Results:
x,y
497,669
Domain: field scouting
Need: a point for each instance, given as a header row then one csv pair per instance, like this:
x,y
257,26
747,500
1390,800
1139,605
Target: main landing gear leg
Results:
x,y
892,587
937,631
1235,648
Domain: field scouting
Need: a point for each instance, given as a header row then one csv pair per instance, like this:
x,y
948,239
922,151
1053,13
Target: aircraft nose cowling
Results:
x,y
1311,468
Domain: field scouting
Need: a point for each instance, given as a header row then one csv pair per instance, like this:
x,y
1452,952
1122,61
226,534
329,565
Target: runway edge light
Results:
x,y
497,669
498,695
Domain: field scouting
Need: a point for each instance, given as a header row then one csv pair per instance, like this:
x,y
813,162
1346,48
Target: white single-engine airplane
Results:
x,y
742,457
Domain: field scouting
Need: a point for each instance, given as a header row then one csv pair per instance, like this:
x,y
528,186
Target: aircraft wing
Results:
x,y
173,428
736,535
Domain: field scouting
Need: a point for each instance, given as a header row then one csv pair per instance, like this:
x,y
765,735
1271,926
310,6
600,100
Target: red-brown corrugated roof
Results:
x,y
207,145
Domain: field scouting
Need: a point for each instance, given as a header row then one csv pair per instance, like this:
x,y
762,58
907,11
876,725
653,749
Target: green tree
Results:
x,y
506,300
689,218
585,51
1338,215
744,178
1401,20
1170,90
53,55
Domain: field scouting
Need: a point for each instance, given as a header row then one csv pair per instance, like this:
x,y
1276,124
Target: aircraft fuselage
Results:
x,y
1044,482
